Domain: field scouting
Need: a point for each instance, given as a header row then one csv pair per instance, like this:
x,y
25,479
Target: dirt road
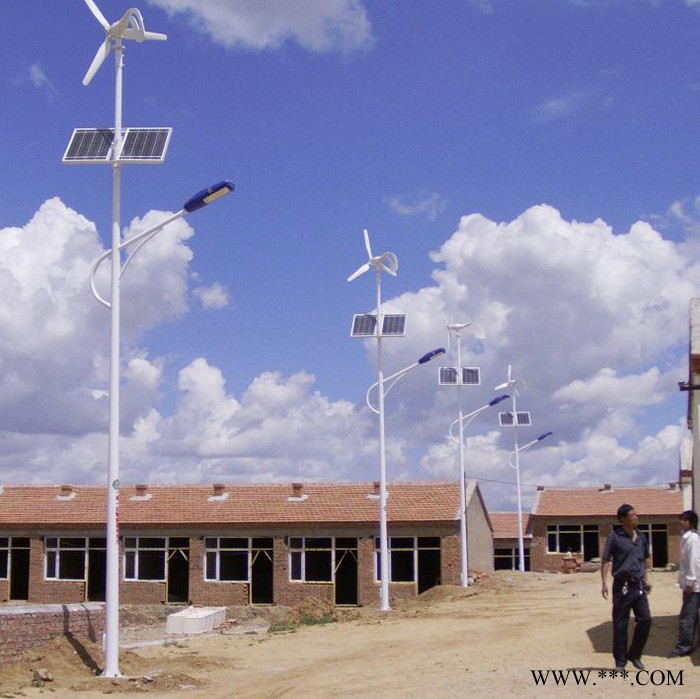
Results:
x,y
484,642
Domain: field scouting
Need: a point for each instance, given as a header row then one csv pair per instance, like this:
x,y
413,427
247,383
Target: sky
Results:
x,y
533,165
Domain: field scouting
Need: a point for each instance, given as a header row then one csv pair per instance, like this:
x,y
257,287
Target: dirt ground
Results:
x,y
485,641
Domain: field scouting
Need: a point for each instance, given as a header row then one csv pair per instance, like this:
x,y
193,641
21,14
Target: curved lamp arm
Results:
x,y
198,201
528,445
469,417
396,377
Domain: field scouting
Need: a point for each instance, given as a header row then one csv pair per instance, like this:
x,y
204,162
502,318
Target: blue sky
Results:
x,y
532,164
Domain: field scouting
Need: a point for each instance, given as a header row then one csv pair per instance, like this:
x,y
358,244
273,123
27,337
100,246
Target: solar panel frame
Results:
x,y
364,325
471,376
141,145
394,325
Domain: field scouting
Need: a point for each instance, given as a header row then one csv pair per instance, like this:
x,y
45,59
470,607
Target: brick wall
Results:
x,y
25,628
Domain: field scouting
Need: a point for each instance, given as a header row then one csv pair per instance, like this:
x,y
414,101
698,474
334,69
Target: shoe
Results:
x,y
638,664
675,654
619,668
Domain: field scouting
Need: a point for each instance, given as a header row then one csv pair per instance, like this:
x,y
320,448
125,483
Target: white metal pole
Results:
x,y
462,474
383,495
111,646
521,546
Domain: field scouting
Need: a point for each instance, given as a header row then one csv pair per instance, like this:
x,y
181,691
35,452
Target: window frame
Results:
x,y
401,550
135,551
554,532
217,551
53,552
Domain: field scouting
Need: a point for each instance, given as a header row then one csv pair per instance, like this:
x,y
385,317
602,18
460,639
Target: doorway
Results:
x,y
346,571
178,575
261,571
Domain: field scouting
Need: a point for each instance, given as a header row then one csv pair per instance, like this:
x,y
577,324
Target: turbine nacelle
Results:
x,y
130,26
511,384
387,262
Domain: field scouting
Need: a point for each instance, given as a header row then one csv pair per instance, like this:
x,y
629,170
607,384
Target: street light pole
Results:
x,y
111,645
385,605
516,453
464,421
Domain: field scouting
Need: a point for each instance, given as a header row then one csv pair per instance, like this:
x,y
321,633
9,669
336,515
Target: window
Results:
x,y
507,558
406,553
574,538
226,559
65,557
144,558
311,558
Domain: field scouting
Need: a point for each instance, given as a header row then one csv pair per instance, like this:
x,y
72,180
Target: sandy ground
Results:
x,y
483,642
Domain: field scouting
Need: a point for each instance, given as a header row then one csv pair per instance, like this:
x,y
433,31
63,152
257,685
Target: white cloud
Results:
x,y
557,108
316,25
212,297
594,321
428,206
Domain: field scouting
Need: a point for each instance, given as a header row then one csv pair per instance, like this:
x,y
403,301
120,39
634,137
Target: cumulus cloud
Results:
x,y
560,107
316,25
214,296
595,322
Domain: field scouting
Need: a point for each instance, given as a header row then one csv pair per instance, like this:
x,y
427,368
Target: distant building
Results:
x,y
506,543
236,544
577,521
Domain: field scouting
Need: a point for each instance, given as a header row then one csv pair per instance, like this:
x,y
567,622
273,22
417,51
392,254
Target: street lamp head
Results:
x,y
429,356
208,195
544,436
498,399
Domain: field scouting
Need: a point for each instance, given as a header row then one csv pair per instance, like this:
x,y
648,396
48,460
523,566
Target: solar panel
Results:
x,y
139,145
522,419
363,325
145,145
449,376
394,324
471,376
89,146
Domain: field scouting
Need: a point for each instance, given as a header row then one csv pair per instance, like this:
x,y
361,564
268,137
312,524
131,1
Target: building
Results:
x,y
506,544
236,544
575,522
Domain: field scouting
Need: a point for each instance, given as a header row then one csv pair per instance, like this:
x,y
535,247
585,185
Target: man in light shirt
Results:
x,y
689,582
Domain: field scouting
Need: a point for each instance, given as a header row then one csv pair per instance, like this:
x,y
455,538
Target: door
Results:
x,y
19,568
178,574
346,571
261,571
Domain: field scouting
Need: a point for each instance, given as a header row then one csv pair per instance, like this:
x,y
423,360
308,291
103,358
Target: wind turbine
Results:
x,y
130,26
386,262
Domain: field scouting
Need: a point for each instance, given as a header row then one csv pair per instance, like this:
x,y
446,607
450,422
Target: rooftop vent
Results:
x,y
606,488
66,493
376,490
218,492
298,494
142,493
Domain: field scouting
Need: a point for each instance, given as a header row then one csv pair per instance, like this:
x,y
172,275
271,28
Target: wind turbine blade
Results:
x,y
390,263
502,386
98,60
98,15
367,245
358,272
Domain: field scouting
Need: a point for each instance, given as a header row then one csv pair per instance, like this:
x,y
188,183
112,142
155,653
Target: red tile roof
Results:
x,y
648,501
505,525
242,504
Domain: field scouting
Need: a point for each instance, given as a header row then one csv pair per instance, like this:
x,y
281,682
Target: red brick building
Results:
x,y
506,541
236,544
576,522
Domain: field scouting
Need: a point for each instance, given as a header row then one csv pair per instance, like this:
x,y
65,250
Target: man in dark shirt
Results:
x,y
628,550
